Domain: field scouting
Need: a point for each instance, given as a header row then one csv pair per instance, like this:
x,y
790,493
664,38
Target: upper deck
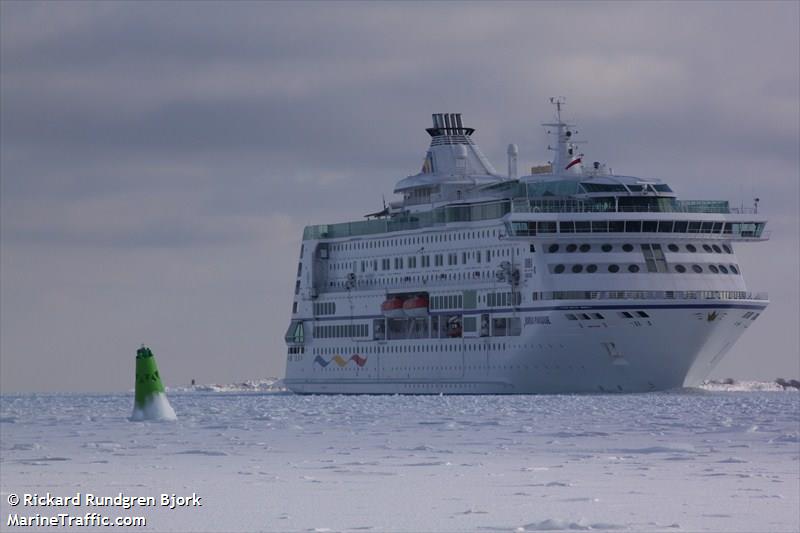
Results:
x,y
458,185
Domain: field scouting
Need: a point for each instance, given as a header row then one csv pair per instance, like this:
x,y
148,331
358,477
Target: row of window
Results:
x,y
325,308
341,330
420,239
503,299
453,258
634,268
533,228
450,301
598,316
572,247
645,295
405,350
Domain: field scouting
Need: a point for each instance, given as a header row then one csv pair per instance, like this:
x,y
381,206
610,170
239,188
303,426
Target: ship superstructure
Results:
x,y
568,279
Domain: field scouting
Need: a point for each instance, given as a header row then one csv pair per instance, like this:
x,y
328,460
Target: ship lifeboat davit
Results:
x,y
416,306
393,308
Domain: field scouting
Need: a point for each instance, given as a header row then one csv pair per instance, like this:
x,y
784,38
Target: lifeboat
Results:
x,y
416,306
393,308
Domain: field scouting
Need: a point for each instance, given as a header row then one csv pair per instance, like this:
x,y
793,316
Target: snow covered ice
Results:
x,y
690,460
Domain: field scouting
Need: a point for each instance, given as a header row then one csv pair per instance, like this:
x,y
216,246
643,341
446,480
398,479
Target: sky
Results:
x,y
158,161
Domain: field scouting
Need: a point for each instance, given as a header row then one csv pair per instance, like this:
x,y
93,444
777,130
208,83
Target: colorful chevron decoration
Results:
x,y
341,361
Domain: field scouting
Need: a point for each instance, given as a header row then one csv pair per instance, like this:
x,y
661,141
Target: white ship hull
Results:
x,y
676,346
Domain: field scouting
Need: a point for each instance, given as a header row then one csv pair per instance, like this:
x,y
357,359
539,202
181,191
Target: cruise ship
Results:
x,y
570,279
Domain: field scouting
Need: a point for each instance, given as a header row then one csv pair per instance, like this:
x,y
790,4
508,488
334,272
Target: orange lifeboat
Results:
x,y
392,307
416,306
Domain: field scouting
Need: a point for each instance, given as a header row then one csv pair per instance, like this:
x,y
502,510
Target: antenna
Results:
x,y
558,101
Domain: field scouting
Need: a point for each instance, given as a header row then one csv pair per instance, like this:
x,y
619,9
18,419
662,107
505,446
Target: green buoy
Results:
x,y
150,400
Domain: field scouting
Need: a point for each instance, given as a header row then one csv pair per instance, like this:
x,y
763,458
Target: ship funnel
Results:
x,y
448,124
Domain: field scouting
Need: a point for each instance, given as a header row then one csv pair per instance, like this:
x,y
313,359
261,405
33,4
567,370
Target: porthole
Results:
x,y
734,269
553,248
673,247
716,248
558,269
691,248
627,247
680,268
572,247
613,268
591,269
606,247
697,268
723,269
713,268
707,248
577,269
728,249
633,268
585,248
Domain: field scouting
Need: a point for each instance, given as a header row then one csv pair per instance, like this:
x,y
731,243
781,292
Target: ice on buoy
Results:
x,y
150,401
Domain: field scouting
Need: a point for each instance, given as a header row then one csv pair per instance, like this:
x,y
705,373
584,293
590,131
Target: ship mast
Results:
x,y
566,157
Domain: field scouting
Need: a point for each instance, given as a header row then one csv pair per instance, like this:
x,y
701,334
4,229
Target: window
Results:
x,y
680,268
691,248
532,248
713,268
598,316
585,248
633,268
570,316
707,248
577,269
642,314
634,226
723,269
734,269
558,269
572,247
716,248
728,249
591,269
626,314
697,268
673,248
553,248
613,268
606,247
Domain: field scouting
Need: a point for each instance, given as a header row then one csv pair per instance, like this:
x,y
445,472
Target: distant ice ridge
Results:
x,y
732,385
250,385
273,384
156,407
